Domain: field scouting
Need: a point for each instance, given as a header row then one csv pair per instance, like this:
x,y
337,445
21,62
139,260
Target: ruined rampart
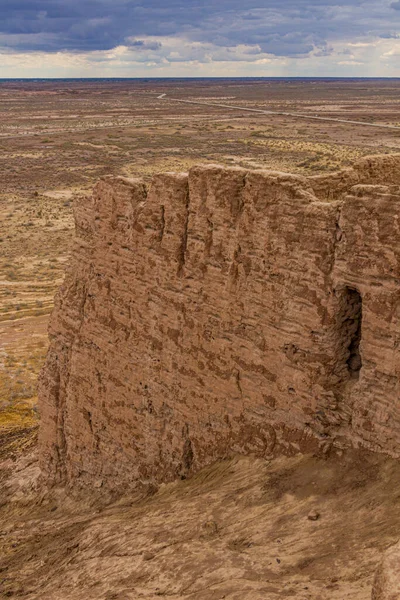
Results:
x,y
225,311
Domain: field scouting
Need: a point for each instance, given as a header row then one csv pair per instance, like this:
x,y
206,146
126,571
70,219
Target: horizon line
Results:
x,y
204,77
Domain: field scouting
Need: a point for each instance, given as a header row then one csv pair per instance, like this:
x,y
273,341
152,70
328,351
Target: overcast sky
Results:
x,y
167,38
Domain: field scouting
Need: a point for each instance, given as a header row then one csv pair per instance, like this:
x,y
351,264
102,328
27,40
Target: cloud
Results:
x,y
286,28
202,31
143,45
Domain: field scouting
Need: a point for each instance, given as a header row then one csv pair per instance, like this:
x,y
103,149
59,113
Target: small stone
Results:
x,y
313,515
148,556
210,528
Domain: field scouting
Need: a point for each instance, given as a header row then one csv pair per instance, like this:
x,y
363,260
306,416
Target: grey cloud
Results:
x,y
277,27
143,44
389,35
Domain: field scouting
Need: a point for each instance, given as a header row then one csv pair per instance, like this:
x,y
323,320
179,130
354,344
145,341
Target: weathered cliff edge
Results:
x,y
224,311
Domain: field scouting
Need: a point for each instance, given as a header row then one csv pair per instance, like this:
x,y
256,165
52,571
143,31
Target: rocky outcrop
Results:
x,y
387,579
225,311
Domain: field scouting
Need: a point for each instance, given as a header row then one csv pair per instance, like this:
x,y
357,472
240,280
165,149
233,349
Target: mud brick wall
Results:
x,y
224,311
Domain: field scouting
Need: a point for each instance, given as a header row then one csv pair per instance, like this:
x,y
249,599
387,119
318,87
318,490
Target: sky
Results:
x,y
199,38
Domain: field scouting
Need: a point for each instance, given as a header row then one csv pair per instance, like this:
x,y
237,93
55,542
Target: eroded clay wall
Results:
x,y
217,312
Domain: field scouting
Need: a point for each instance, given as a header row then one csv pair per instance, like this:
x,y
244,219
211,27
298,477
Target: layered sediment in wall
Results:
x,y
225,311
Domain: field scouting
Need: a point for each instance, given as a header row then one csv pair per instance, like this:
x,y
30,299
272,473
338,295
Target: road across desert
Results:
x,y
281,113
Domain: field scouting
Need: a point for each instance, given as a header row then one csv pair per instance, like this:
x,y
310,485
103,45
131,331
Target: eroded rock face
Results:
x,y
225,311
387,579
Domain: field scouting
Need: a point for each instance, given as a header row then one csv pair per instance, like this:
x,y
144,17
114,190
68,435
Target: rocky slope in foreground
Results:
x,y
243,529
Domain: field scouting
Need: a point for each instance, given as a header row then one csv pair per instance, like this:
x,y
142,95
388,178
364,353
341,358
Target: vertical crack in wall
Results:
x,y
350,322
183,247
209,239
336,409
334,406
237,203
162,224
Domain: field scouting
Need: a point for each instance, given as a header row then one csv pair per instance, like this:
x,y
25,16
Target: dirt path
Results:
x,y
279,113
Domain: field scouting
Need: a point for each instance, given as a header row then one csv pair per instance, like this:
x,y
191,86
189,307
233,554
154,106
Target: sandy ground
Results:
x,y
239,530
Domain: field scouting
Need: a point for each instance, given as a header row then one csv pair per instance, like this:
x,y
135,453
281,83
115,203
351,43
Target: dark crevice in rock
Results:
x,y
354,362
349,332
183,246
187,456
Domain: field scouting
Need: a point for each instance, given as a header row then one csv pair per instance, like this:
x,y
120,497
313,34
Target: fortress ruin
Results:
x,y
225,311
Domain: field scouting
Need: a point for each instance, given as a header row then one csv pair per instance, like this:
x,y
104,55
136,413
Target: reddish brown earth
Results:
x,y
228,311
214,314
238,528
